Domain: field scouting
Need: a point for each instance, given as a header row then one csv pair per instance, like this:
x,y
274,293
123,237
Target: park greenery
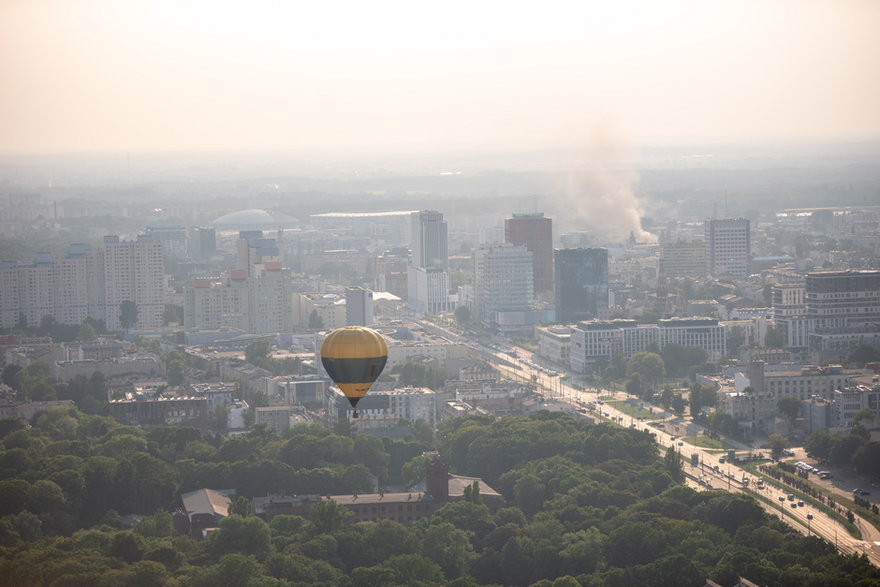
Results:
x,y
586,504
854,448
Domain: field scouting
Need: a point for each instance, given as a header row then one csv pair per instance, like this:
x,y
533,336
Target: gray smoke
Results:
x,y
598,193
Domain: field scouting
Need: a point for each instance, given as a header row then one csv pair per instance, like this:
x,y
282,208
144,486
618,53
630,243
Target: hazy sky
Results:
x,y
374,76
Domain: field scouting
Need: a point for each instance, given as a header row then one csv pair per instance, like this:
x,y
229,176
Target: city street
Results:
x,y
714,469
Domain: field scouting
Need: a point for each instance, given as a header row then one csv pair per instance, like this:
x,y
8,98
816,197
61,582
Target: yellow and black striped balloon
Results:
x,y
354,357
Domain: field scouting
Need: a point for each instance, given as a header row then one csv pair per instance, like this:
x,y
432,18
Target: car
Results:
x,y
781,498
861,492
790,497
672,438
721,460
825,475
788,453
793,504
680,443
800,503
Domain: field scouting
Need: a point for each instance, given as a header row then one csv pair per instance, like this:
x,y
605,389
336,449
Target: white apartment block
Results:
x,y
428,289
258,304
86,283
790,315
849,400
554,343
133,271
329,307
383,409
597,340
503,281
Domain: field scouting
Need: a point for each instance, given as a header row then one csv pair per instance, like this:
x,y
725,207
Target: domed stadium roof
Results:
x,y
255,218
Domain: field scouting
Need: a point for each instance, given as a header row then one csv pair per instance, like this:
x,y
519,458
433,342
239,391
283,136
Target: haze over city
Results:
x,y
342,78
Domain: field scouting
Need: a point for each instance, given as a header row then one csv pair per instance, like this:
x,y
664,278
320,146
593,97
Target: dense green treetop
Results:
x,y
587,504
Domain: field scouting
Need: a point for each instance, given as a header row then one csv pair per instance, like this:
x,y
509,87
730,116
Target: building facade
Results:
x,y
581,283
843,309
86,284
358,306
502,282
427,272
684,258
597,341
535,233
728,247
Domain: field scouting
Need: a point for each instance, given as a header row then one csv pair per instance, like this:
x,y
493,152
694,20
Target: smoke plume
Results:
x,y
598,196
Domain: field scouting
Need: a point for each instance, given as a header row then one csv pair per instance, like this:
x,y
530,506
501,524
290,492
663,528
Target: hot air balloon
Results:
x,y
354,357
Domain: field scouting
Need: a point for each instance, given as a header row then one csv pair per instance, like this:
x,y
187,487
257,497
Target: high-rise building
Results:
x,y
535,233
728,247
260,303
173,240
133,271
684,258
358,306
581,283
254,250
86,283
843,308
427,277
429,241
203,243
502,283
790,317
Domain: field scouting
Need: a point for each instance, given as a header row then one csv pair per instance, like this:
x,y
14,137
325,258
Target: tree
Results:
x,y
864,415
173,314
777,443
128,314
673,465
86,332
462,315
736,337
327,515
634,386
241,506
790,408
315,321
250,535
257,352
773,338
12,376
649,365
864,354
449,547
678,404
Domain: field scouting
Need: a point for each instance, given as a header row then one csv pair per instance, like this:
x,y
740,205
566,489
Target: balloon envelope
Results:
x,y
354,357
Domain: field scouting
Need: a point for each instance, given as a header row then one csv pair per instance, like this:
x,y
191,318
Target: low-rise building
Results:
x,y
274,418
599,340
217,394
554,344
145,365
383,409
28,411
177,411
